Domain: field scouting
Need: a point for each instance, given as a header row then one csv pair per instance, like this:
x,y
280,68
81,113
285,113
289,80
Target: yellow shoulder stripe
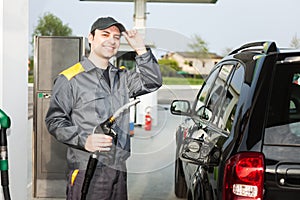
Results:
x,y
72,71
122,67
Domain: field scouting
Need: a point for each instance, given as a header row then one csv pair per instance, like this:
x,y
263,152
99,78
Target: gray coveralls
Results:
x,y
81,99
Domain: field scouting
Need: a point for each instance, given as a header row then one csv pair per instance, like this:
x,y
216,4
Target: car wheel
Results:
x,y
180,184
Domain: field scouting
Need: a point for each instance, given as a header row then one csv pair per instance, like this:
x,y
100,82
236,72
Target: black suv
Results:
x,y
241,137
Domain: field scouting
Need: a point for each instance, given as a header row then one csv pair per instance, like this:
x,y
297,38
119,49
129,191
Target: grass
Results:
x,y
182,81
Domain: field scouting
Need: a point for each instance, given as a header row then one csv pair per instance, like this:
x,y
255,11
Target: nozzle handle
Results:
x,y
4,120
5,124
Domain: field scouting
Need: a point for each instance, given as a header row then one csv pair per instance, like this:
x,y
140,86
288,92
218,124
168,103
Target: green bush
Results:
x,y
30,79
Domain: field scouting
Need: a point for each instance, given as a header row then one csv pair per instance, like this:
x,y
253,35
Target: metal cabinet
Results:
x,y
51,56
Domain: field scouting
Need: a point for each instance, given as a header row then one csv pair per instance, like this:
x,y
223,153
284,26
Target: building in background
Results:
x,y
192,64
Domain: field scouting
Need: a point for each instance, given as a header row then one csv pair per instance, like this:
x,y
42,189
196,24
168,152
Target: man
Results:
x,y
86,95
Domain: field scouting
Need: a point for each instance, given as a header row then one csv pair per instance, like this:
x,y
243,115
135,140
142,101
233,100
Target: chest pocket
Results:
x,y
95,104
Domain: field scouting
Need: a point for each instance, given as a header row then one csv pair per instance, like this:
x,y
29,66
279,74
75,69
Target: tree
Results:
x,y
295,42
199,47
50,25
168,67
226,51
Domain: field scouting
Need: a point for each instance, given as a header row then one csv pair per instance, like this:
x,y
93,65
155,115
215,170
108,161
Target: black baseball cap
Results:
x,y
105,22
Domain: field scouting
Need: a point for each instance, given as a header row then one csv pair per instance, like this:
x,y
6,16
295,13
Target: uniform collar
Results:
x,y
88,65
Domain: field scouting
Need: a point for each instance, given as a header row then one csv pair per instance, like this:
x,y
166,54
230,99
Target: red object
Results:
x,y
244,177
148,122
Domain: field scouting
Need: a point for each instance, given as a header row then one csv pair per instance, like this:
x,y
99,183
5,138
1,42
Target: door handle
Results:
x,y
288,175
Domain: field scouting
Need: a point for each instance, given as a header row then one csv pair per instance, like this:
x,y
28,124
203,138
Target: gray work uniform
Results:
x,y
82,99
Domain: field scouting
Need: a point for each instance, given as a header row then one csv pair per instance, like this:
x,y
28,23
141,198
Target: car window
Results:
x,y
283,124
202,96
213,90
296,78
218,89
228,108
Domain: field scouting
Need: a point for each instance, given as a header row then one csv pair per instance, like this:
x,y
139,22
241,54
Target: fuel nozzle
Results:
x,y
106,128
4,125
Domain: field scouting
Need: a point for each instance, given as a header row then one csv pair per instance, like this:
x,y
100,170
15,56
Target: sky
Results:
x,y
171,26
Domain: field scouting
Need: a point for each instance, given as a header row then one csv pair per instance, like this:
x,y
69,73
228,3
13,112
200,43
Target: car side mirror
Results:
x,y
180,107
204,113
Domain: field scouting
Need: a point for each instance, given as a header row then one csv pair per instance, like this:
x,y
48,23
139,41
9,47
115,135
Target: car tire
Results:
x,y
180,184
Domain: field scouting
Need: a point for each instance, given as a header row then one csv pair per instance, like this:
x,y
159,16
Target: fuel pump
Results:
x,y
4,125
103,128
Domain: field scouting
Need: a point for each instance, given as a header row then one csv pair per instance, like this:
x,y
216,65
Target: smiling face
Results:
x,y
105,43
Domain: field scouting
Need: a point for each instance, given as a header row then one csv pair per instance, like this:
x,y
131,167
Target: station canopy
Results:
x,y
162,1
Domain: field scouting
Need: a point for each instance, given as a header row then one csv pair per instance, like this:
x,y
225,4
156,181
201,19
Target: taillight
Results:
x,y
244,177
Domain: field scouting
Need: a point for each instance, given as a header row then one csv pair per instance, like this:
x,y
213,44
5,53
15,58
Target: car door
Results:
x,y
222,125
201,98
281,145
211,97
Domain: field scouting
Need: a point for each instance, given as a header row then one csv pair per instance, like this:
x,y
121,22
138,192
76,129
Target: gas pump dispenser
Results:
x,y
5,124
